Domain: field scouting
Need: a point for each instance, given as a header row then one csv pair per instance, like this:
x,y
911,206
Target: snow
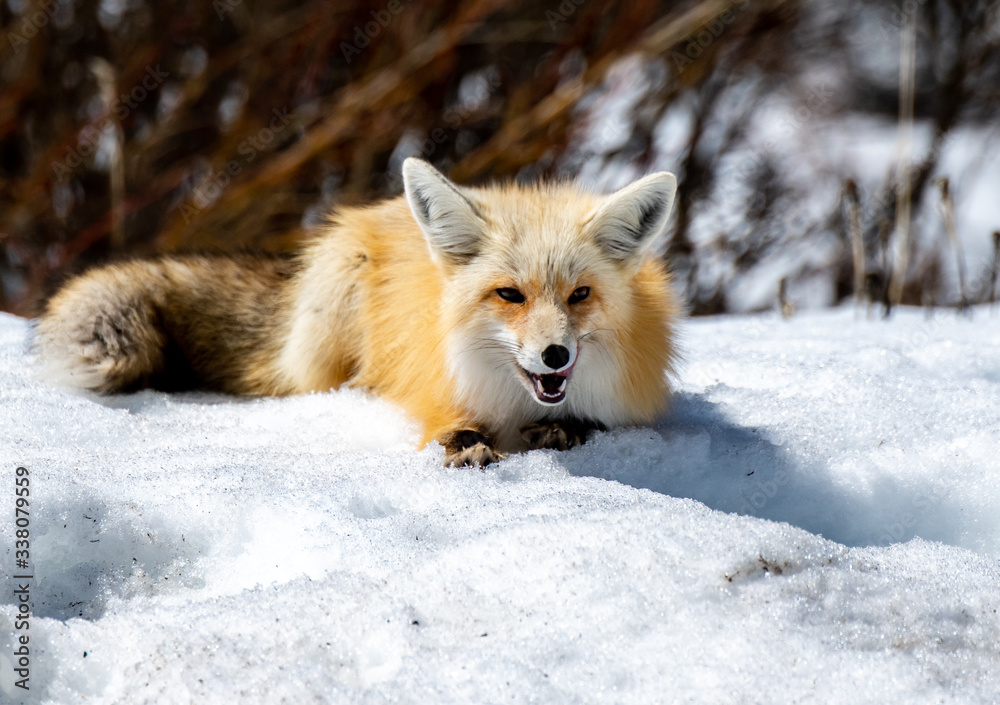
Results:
x,y
815,521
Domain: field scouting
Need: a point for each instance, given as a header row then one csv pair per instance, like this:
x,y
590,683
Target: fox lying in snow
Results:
x,y
503,318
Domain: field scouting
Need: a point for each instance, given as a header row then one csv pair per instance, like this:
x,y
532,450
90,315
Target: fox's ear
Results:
x,y
450,220
633,220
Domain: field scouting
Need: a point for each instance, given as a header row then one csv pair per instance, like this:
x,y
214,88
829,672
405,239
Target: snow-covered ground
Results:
x,y
198,548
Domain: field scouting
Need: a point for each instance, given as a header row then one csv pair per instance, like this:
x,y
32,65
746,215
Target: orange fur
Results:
x,y
406,299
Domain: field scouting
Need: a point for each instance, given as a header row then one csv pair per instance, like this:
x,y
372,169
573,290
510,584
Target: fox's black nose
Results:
x,y
555,356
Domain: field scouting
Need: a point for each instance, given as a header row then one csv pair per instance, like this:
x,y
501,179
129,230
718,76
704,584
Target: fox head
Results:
x,y
541,295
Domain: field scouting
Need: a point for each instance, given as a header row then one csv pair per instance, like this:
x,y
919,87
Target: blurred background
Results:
x,y
825,150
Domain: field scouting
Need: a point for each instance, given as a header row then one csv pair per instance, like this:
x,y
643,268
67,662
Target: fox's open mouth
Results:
x,y
550,388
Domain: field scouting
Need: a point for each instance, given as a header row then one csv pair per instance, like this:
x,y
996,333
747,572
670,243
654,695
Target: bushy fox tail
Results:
x,y
171,323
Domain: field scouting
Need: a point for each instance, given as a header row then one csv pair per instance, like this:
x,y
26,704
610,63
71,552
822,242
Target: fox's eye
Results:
x,y
512,295
579,295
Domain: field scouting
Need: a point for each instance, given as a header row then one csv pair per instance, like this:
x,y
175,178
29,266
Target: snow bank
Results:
x,y
200,548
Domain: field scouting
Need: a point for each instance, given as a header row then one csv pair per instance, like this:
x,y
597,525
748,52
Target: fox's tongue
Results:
x,y
550,388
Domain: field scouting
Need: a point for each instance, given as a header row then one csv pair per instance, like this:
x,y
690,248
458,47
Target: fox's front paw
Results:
x,y
469,447
558,435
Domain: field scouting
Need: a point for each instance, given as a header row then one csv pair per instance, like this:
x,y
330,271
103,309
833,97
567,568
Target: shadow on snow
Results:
x,y
698,453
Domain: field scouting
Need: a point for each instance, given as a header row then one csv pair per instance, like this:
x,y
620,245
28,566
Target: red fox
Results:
x,y
502,318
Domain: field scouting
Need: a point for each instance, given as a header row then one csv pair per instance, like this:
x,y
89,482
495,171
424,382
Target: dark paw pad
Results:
x,y
558,435
469,447
479,455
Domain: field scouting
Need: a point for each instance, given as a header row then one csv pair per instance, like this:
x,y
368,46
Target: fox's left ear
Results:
x,y
631,221
448,217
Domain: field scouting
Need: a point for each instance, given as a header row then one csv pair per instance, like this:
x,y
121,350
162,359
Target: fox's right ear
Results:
x,y
450,220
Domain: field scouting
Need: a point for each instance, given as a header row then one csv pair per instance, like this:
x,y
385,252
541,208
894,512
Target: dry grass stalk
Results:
x,y
857,239
104,72
787,307
907,73
995,269
948,214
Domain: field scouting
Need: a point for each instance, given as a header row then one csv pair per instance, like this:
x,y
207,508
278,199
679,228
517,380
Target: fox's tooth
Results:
x,y
562,385
539,386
